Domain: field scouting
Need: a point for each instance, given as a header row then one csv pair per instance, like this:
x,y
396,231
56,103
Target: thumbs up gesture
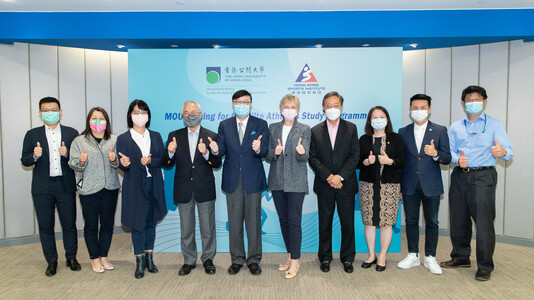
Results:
x,y
172,145
202,147
300,148
462,160
430,150
256,144
83,157
384,159
37,151
279,149
497,150
213,145
146,160
372,158
63,149
111,155
125,160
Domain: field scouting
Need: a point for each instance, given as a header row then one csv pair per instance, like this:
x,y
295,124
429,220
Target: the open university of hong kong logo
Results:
x,y
306,84
213,75
306,75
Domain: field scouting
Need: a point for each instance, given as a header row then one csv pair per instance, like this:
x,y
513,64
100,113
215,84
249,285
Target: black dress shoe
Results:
x,y
140,266
483,275
73,264
149,261
325,266
186,269
254,269
347,266
209,268
456,263
51,269
367,265
380,268
234,269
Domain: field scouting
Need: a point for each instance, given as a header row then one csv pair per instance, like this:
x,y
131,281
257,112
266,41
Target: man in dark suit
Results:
x,y
46,148
194,184
334,156
427,146
244,140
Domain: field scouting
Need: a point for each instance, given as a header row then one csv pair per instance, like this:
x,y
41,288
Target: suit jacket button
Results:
x,y
415,173
193,167
191,178
169,162
418,158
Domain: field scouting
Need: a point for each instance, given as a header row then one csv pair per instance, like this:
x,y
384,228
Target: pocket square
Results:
x,y
253,133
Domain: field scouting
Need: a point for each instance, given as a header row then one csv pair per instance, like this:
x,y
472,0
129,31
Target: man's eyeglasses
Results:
x,y
240,102
50,110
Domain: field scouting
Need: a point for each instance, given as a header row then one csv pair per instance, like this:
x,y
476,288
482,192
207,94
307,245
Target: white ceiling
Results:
x,y
254,5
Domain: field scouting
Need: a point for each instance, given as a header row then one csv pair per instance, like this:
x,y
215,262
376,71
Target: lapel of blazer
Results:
x,y
277,132
342,127
411,138
429,133
328,145
293,131
43,141
201,135
246,136
184,139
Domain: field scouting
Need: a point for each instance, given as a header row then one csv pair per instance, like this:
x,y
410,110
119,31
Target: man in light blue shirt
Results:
x,y
476,141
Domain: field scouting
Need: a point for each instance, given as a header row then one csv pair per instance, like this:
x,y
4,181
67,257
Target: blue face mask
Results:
x,y
474,108
379,124
50,117
241,110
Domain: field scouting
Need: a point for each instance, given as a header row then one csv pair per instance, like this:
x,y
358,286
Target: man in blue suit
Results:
x,y
427,146
244,140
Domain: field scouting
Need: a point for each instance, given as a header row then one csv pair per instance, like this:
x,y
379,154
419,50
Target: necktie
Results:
x,y
240,132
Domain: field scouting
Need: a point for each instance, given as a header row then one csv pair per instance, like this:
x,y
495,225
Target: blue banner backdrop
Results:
x,y
165,79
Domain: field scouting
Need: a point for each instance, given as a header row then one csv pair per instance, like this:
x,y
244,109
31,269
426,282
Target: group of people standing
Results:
x,y
392,166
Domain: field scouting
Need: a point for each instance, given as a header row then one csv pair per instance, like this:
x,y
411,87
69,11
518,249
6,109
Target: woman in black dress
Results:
x,y
381,157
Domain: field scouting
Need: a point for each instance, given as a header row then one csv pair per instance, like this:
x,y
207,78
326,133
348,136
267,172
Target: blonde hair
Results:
x,y
290,98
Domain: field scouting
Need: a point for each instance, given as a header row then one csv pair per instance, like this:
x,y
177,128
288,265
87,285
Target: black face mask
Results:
x,y
192,120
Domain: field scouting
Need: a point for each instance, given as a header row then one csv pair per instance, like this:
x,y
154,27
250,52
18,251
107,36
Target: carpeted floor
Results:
x,y
23,267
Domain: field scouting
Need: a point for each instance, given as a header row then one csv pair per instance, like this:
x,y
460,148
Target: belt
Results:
x,y
56,178
475,169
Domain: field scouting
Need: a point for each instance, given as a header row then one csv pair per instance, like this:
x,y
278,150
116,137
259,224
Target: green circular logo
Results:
x,y
213,77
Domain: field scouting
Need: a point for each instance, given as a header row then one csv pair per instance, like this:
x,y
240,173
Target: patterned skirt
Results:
x,y
381,213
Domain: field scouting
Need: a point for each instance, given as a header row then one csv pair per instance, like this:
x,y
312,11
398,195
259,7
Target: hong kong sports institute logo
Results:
x,y
306,75
213,75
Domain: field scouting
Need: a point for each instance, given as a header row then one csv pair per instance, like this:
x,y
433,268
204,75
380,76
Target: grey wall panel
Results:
x,y
16,120
519,204
494,78
438,86
98,79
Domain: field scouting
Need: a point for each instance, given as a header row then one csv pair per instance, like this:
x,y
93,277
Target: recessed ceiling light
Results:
x,y
414,45
120,46
216,46
319,46
174,46
180,2
366,45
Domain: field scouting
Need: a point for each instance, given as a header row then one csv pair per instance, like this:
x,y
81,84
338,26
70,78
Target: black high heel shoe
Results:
x,y
150,263
367,265
141,265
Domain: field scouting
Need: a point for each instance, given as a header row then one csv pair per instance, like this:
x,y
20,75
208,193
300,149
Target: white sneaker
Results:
x,y
412,260
432,264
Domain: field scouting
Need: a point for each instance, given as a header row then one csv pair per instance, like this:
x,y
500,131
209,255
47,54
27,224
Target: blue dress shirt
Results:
x,y
476,139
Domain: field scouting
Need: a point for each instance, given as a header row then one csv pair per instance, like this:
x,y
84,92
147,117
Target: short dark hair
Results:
x,y
421,97
142,106
369,129
472,89
87,131
332,94
49,100
240,94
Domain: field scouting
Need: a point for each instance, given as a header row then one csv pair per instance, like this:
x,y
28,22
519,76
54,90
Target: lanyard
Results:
x,y
484,130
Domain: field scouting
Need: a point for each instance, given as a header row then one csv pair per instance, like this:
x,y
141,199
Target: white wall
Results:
x,y
86,78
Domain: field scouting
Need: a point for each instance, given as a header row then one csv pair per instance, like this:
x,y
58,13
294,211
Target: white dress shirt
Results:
x,y
419,134
192,138
245,121
53,136
143,142
285,133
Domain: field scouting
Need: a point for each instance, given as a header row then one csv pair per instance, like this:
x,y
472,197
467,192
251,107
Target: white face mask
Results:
x,y
379,124
332,114
289,114
419,115
140,120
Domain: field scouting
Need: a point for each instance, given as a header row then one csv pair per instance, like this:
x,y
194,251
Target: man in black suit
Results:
x,y
334,155
194,184
46,148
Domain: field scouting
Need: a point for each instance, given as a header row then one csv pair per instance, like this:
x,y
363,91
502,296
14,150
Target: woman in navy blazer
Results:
x,y
143,196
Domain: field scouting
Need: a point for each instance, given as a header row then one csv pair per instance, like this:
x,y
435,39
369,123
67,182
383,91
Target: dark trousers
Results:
x,y
412,204
144,240
100,205
472,195
246,207
206,224
345,211
289,208
45,205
